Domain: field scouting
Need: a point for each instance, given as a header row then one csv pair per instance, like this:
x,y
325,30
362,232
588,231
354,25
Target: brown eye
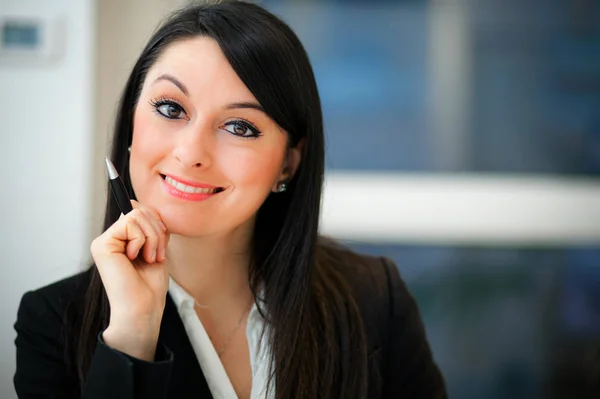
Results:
x,y
170,111
242,129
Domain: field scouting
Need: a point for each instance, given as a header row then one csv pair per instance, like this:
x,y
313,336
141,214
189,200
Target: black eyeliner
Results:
x,y
118,188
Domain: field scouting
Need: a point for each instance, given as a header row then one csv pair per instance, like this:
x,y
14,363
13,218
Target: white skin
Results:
x,y
194,134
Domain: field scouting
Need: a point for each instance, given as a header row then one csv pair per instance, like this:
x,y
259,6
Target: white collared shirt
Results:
x,y
210,363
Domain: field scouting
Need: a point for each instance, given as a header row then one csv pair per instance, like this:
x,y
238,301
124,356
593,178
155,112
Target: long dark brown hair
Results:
x,y
316,335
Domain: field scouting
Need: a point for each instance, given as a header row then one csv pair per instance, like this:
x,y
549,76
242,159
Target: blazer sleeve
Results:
x,y
42,370
410,371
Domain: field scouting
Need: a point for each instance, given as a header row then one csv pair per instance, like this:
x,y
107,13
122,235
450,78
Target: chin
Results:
x,y
186,228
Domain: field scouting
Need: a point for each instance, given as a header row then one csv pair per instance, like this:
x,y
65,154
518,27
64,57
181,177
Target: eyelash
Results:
x,y
159,102
156,104
247,125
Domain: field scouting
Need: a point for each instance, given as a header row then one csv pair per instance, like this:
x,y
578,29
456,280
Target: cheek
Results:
x,y
146,150
257,168
146,134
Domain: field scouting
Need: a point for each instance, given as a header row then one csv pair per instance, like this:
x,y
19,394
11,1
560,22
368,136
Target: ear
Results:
x,y
291,162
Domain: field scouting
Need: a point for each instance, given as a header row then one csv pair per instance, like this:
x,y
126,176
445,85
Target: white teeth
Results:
x,y
189,189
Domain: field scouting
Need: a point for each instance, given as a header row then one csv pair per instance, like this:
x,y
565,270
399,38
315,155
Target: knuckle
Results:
x,y
94,245
133,224
151,213
97,242
135,213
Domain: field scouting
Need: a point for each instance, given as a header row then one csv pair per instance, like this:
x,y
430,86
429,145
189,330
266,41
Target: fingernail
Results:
x,y
163,254
154,256
163,226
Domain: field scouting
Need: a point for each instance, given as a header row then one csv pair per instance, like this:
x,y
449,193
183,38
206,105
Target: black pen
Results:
x,y
118,188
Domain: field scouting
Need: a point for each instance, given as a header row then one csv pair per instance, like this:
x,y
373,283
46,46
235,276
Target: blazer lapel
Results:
x,y
187,379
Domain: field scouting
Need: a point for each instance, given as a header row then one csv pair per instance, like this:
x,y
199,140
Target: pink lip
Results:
x,y
190,183
196,197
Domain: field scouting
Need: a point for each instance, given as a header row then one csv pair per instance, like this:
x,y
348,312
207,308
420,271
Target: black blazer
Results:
x,y
400,357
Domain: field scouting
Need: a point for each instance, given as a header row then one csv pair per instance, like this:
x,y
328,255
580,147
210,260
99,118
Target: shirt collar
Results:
x,y
180,297
184,301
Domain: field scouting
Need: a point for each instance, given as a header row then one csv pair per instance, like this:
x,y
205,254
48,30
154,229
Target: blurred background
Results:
x,y
463,142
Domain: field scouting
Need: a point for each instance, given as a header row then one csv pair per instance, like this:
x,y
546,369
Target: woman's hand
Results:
x,y
130,257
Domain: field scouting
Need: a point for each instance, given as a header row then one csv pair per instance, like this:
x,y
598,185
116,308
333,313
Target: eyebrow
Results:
x,y
246,105
175,81
240,105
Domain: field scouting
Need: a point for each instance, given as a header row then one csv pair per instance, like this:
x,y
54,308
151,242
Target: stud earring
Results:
x,y
129,149
281,187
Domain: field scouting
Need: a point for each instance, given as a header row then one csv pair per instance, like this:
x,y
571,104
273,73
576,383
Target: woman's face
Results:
x,y
204,154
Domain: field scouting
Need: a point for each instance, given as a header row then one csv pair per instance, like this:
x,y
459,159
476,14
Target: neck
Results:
x,y
214,270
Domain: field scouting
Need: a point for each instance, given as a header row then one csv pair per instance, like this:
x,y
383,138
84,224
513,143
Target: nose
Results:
x,y
194,146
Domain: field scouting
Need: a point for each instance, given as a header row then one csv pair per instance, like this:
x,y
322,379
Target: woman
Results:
x,y
219,137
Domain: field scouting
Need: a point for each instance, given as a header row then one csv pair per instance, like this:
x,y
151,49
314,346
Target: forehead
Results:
x,y
202,67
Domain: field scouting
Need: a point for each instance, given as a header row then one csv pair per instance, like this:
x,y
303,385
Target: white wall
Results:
x,y
46,131
56,120
124,26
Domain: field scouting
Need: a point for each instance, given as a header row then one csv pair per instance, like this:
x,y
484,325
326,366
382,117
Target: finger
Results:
x,y
153,218
129,232
151,234
156,216
124,237
156,219
151,212
136,238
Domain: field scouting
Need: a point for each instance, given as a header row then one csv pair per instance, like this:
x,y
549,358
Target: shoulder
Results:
x,y
50,302
369,276
394,327
374,281
44,352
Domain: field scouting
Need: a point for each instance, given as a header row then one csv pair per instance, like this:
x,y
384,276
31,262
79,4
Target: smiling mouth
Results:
x,y
190,189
